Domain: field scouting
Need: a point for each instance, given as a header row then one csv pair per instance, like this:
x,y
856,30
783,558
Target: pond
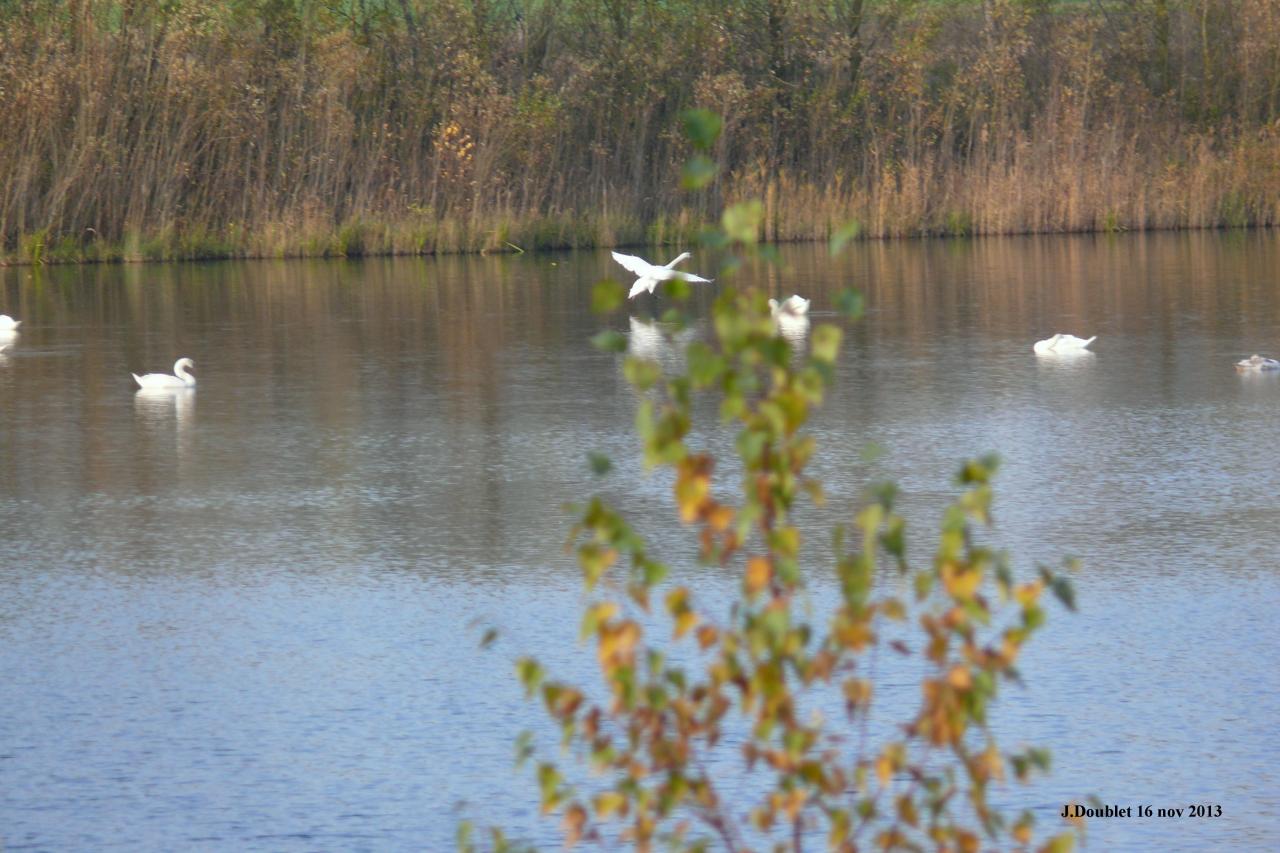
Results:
x,y
248,616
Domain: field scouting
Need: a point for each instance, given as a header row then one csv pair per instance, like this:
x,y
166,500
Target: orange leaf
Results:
x,y
759,572
575,820
720,518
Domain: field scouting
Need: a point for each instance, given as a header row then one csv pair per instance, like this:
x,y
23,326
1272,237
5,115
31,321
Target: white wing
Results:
x,y
639,266
664,274
642,285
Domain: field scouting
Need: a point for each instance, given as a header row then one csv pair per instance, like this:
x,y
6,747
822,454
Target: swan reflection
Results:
x,y
158,405
658,342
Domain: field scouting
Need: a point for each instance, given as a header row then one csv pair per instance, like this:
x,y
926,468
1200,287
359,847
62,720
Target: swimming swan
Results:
x,y
793,306
650,275
180,379
8,324
1061,343
1257,362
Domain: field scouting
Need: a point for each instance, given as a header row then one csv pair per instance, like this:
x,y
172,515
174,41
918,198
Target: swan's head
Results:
x,y
773,307
183,364
682,257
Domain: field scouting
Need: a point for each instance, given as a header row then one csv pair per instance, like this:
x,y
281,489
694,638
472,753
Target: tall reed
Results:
x,y
189,128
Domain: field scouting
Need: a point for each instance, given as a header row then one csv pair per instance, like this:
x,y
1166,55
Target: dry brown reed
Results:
x,y
187,129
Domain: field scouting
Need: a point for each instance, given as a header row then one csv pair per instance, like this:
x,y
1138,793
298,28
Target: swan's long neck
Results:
x,y
180,371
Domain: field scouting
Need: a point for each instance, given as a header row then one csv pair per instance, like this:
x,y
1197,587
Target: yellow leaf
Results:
x,y
759,572
691,491
684,622
794,802
610,803
907,810
857,692
1027,593
884,769
893,609
960,582
959,677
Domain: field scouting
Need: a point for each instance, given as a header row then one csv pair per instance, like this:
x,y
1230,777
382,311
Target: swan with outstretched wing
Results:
x,y
648,275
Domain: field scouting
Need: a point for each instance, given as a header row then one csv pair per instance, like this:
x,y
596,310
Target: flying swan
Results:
x,y
180,379
1257,362
650,275
1061,343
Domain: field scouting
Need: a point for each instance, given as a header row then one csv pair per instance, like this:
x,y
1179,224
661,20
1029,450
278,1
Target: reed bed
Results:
x,y
275,128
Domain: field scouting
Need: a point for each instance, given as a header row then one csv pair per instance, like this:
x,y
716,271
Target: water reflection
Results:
x,y
794,328
663,343
160,406
266,596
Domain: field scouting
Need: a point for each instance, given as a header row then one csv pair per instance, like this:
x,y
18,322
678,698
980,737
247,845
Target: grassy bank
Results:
x,y
187,129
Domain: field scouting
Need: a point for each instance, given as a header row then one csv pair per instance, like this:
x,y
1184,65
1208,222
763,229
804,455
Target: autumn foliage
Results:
x,y
756,669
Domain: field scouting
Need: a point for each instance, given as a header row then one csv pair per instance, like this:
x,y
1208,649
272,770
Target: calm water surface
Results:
x,y
248,617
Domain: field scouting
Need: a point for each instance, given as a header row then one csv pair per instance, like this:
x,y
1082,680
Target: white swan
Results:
x,y
180,379
650,275
8,324
1061,343
793,306
1257,362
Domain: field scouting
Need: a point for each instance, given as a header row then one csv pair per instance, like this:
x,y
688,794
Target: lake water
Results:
x,y
248,617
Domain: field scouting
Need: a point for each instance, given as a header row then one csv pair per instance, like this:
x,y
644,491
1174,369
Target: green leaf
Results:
x,y
600,464
850,303
675,318
849,231
872,452
549,783
698,172
712,238
751,444
594,560
1063,590
641,372
705,365
826,343
610,341
1063,843
979,470
701,127
531,673
676,289
741,222
653,572
606,295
